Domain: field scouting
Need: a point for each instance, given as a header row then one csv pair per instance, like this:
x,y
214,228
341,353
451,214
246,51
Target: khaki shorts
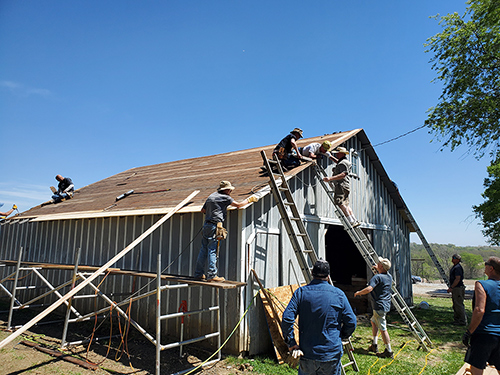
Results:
x,y
341,196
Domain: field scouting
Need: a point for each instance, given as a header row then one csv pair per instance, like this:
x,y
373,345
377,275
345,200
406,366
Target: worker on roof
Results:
x,y
316,149
65,189
215,210
342,184
285,147
325,320
3,215
379,288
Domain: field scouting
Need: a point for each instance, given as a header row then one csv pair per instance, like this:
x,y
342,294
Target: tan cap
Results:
x,y
298,131
342,150
225,185
386,263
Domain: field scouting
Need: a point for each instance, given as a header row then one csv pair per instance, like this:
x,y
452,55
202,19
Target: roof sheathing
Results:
x,y
181,178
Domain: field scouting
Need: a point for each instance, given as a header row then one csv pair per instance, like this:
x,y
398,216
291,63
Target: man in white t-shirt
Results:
x,y
316,149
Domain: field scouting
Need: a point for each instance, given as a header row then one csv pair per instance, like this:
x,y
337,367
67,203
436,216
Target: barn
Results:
x,y
101,226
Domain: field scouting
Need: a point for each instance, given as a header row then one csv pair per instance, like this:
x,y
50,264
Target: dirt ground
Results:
x,y
139,357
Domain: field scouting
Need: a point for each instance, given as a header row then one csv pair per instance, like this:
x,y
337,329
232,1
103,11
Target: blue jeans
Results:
x,y
57,197
312,367
208,249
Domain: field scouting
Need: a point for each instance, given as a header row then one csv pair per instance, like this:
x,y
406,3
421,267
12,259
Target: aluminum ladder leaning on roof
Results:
x,y
306,255
427,247
371,258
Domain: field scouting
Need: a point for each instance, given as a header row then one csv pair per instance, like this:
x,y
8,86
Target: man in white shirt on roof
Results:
x,y
316,149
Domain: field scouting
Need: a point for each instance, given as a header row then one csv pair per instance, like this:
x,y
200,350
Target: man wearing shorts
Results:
x,y
342,184
380,289
484,329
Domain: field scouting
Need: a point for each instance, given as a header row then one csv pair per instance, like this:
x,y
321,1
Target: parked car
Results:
x,y
416,279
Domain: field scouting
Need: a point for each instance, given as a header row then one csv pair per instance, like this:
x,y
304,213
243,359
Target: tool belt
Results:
x,y
220,232
282,154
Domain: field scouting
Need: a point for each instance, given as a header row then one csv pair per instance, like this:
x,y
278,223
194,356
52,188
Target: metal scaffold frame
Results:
x,y
155,339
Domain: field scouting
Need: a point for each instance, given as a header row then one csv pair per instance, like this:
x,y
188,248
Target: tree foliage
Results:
x,y
489,210
467,61
473,264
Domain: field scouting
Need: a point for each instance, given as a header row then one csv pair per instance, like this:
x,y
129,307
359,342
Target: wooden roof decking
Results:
x,y
181,177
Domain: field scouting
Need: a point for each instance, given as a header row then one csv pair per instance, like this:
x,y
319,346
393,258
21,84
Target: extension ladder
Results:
x,y
304,250
371,258
427,247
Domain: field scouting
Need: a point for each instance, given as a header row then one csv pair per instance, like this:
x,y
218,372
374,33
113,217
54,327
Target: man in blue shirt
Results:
x,y
65,189
325,319
380,289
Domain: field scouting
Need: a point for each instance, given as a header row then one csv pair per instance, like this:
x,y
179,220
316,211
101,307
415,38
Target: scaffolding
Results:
x,y
82,273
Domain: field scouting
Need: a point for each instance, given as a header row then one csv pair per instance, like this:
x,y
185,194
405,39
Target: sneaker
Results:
x,y
200,278
216,279
373,348
356,224
386,354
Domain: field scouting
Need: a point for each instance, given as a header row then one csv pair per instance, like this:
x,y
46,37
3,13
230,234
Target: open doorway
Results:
x,y
348,268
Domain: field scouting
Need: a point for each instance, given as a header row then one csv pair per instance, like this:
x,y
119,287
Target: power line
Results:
x,y
402,135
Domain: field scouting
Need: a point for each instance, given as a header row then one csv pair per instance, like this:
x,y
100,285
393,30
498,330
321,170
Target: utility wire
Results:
x,y
401,136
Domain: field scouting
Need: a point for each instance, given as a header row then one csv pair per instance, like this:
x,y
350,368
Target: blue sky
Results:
x,y
92,88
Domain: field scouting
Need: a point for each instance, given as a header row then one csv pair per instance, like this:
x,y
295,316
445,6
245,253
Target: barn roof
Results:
x,y
164,185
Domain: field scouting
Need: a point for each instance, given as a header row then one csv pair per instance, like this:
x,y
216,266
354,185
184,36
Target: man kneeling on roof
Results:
x,y
215,210
284,149
65,189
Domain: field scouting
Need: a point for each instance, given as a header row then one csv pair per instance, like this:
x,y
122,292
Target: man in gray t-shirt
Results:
x,y
380,289
215,210
342,184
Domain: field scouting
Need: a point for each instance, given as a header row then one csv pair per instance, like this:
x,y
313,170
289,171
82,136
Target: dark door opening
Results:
x,y
347,266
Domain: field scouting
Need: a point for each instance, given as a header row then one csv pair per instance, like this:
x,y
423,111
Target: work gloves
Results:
x,y
220,232
466,338
252,199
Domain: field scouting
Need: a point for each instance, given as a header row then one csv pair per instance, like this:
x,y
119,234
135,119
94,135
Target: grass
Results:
x,y
445,357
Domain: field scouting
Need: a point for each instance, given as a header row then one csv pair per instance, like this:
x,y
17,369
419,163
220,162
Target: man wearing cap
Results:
x,y
457,290
342,184
284,150
215,210
483,334
325,320
316,149
379,288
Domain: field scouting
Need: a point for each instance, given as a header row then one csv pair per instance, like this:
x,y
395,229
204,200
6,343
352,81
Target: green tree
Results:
x,y
489,210
472,264
467,61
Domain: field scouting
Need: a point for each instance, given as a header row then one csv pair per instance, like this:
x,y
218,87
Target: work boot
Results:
x,y
355,224
373,348
386,354
216,279
200,278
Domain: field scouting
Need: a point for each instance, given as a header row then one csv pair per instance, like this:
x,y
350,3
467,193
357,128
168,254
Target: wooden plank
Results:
x,y
96,274
65,357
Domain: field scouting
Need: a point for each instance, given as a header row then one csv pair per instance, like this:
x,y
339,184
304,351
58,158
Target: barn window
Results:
x,y
355,162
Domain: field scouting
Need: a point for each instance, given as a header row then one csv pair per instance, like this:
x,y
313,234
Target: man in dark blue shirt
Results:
x,y
457,290
380,289
325,319
65,189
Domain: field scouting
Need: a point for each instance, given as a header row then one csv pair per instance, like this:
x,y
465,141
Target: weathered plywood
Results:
x,y
275,301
